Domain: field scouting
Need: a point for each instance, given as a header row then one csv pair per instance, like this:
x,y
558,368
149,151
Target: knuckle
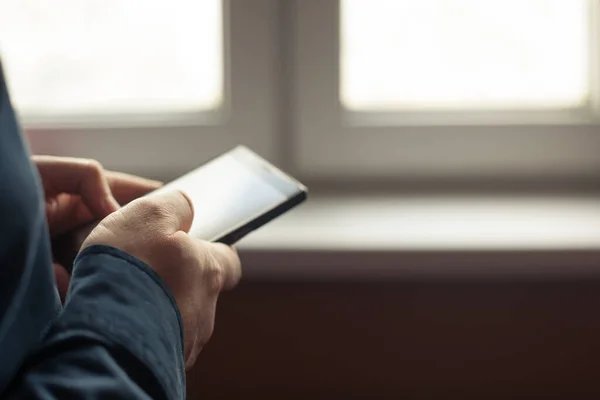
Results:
x,y
174,246
151,209
93,167
214,276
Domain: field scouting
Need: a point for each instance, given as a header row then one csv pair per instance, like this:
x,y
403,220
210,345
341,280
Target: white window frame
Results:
x,y
165,146
328,143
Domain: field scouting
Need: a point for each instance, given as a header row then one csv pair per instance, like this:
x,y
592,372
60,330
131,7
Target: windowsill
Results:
x,y
419,237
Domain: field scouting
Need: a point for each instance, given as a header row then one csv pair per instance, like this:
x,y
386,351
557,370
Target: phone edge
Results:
x,y
251,225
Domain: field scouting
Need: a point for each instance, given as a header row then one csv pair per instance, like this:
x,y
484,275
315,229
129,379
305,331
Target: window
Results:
x,y
447,89
417,90
147,86
113,57
410,55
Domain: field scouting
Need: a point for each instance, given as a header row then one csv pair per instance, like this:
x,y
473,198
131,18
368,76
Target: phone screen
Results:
x,y
225,193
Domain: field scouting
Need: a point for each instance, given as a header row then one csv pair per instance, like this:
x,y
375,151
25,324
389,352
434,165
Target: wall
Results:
x,y
400,339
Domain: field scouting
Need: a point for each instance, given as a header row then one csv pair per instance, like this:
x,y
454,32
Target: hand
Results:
x,y
154,229
79,191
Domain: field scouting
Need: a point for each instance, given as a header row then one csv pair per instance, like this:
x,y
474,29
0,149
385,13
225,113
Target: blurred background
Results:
x,y
451,244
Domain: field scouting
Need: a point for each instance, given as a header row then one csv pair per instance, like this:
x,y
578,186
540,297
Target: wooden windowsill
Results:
x,y
429,237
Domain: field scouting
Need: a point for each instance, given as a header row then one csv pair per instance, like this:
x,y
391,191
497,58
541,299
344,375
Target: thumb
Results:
x,y
173,207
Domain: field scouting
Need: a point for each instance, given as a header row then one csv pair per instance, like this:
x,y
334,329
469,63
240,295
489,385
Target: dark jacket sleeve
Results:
x,y
119,334
28,297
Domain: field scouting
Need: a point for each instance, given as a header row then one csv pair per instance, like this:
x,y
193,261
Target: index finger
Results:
x,y
80,177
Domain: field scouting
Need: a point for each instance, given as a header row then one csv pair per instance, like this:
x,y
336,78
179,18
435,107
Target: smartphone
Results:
x,y
232,195
236,193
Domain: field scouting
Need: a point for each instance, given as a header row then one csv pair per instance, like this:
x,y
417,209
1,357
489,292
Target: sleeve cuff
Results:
x,y
117,296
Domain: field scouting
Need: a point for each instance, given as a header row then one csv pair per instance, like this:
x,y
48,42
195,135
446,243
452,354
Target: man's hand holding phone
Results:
x,y
154,230
234,193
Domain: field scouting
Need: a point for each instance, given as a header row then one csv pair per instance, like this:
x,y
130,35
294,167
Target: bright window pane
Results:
x,y
444,54
90,57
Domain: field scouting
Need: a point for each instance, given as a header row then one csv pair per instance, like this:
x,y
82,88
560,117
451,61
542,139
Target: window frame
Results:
x,y
164,146
427,146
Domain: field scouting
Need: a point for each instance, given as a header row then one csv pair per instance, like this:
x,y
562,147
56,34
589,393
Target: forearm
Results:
x,y
119,335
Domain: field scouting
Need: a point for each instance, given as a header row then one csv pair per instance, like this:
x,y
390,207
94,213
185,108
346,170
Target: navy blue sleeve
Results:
x,y
28,297
119,336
